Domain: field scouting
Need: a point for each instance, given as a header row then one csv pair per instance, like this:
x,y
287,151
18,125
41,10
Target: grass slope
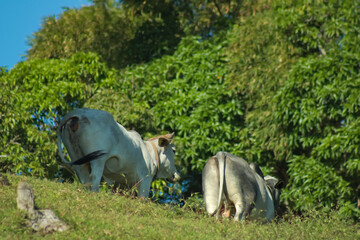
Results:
x,y
108,216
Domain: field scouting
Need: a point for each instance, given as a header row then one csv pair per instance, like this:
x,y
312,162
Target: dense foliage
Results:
x,y
130,32
280,88
317,112
120,36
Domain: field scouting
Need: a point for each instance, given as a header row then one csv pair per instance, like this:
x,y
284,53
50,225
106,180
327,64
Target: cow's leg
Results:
x,y
240,207
144,187
227,210
97,170
83,173
242,211
239,212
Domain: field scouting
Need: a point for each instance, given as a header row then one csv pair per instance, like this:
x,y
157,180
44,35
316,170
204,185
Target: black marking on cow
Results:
x,y
89,157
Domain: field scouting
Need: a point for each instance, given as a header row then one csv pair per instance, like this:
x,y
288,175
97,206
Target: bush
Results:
x,y
318,116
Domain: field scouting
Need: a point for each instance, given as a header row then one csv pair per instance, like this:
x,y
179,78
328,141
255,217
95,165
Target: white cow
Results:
x,y
100,147
229,179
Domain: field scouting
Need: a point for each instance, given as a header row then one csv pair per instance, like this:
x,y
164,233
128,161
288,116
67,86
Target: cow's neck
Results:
x,y
156,156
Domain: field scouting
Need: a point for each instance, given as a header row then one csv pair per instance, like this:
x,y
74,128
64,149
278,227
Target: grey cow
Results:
x,y
227,179
100,147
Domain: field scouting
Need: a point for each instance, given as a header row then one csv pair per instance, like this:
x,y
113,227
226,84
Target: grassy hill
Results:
x,y
109,216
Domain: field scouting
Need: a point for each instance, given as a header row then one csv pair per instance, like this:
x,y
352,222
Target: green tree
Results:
x,y
318,116
132,32
204,18
315,27
259,61
157,29
89,29
119,36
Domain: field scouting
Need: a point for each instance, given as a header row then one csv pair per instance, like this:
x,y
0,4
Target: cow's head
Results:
x,y
167,158
275,186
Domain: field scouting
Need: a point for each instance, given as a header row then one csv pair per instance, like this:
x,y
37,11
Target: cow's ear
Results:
x,y
165,140
280,184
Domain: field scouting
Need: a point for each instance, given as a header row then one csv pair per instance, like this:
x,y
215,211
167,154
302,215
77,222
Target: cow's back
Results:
x,y
88,130
240,179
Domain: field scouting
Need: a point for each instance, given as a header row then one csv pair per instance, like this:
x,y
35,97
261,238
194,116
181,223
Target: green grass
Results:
x,y
108,216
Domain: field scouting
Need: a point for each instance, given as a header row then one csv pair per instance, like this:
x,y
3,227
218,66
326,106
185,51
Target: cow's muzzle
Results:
x,y
176,177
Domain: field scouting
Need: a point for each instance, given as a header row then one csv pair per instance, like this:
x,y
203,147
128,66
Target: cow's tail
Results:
x,y
59,141
74,125
89,157
60,132
221,161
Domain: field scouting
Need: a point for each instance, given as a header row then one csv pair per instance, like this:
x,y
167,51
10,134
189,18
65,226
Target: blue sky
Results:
x,y
19,19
